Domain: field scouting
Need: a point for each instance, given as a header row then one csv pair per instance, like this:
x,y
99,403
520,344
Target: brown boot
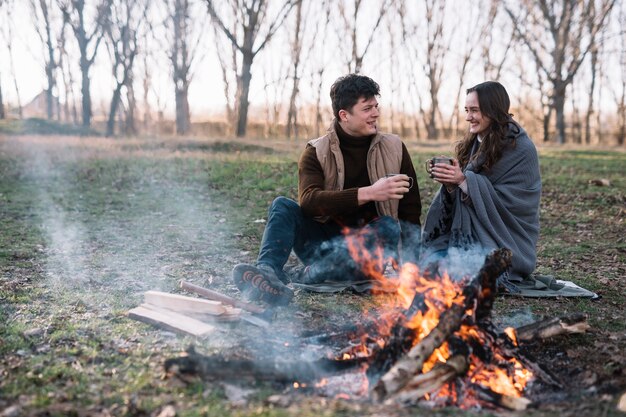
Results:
x,y
258,283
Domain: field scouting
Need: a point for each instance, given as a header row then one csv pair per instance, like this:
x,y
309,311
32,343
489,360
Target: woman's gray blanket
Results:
x,y
501,209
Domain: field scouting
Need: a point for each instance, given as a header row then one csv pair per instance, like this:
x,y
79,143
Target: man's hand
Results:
x,y
386,188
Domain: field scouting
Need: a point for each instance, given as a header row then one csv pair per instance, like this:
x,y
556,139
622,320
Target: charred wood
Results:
x,y
501,400
223,368
545,329
449,321
431,381
398,343
495,265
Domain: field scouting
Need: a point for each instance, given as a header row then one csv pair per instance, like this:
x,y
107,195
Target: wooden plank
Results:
x,y
183,304
170,320
223,298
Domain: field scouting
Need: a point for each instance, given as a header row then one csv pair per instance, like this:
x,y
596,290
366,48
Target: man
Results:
x,y
344,185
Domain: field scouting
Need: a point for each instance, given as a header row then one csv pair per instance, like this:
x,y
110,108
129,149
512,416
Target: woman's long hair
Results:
x,y
494,103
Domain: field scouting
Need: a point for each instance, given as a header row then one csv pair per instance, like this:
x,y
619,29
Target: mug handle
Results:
x,y
429,165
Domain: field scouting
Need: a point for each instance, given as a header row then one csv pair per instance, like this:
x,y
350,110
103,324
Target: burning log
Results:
x,y
449,322
545,329
432,380
506,401
399,343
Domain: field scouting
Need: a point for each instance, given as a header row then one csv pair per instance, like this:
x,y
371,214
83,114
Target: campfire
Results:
x,y
435,344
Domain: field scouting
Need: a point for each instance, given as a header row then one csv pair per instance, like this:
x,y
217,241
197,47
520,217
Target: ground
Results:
x,y
88,224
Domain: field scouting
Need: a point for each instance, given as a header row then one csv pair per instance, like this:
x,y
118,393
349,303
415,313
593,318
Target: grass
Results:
x,y
88,224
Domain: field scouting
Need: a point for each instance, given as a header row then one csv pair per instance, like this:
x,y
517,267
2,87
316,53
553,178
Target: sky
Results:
x,y
269,85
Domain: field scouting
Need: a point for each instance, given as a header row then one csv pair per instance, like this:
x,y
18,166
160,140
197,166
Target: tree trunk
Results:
x,y
594,68
115,101
85,91
246,76
2,114
292,113
182,111
50,69
546,124
559,108
131,127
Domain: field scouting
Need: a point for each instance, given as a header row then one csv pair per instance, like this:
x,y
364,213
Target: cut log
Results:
x,y
506,401
545,329
170,320
216,296
450,321
183,304
431,381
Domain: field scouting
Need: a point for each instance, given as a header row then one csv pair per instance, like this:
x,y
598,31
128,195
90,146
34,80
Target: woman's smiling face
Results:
x,y
478,123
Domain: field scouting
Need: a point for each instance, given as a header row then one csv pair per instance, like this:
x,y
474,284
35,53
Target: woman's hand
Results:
x,y
448,175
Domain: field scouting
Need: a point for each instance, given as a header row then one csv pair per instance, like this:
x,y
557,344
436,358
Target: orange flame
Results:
x,y
506,376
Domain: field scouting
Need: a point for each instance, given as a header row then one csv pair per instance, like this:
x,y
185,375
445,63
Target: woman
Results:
x,y
490,194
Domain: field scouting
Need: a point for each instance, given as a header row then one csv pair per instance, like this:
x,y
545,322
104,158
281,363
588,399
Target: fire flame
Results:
x,y
503,375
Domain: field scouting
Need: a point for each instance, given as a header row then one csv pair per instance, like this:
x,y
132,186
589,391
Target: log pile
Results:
x,y
195,316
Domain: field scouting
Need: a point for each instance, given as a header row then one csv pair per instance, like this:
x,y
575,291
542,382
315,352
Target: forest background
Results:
x,y
263,69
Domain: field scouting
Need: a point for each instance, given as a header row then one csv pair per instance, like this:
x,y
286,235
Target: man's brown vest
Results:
x,y
384,157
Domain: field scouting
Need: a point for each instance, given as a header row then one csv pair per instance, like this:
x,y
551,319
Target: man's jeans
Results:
x,y
321,245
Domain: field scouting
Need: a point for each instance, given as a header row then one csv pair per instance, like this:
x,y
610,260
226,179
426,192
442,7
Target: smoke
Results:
x,y
116,228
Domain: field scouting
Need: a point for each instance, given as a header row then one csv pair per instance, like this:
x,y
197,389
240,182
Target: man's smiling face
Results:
x,y
362,119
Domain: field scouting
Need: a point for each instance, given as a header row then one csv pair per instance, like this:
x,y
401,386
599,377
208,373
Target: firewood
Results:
x,y
170,320
431,381
399,342
449,321
545,329
214,295
183,304
509,348
506,401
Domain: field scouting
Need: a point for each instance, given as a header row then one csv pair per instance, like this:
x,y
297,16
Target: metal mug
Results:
x,y
410,179
430,163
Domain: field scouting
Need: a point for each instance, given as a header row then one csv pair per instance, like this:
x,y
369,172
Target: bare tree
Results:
x,y
479,27
250,16
123,25
619,90
571,26
351,25
67,77
228,64
8,35
88,39
42,12
275,83
318,54
2,114
296,54
430,49
184,40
